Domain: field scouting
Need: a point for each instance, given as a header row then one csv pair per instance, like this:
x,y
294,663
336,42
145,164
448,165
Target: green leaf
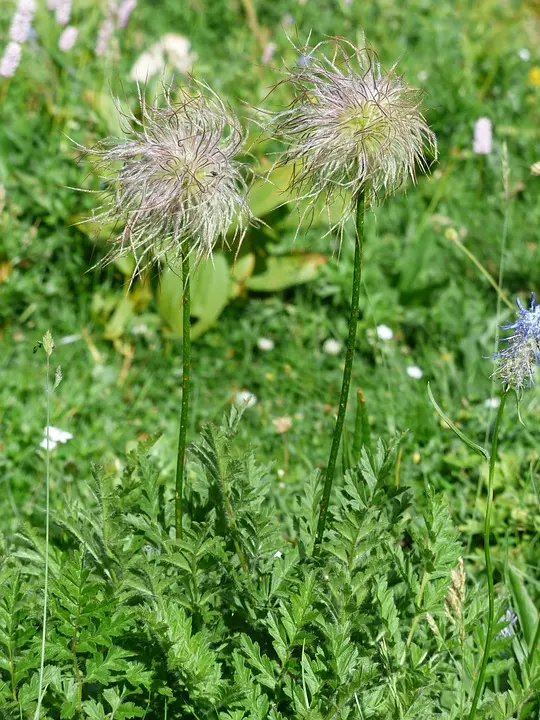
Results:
x,y
523,605
284,271
210,291
461,435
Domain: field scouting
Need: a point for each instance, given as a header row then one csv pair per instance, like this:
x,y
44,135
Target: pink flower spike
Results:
x,y
68,38
63,12
483,141
124,12
10,60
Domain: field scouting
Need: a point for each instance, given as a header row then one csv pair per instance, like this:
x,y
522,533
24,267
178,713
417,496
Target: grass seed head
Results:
x,y
173,181
351,126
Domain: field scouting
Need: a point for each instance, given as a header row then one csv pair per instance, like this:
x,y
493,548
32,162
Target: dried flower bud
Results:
x,y
516,362
351,126
10,59
483,141
68,38
178,183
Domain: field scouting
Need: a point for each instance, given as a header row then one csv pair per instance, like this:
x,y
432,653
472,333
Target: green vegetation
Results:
x,y
236,620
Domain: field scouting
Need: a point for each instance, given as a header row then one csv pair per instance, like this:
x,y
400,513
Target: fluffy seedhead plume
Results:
x,y
516,362
351,126
173,182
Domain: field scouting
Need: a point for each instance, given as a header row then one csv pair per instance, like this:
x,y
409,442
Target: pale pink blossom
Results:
x,y
10,59
483,141
22,21
63,11
68,38
124,11
105,33
51,4
268,53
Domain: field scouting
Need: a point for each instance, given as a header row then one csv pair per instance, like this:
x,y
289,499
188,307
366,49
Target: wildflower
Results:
x,y
384,332
534,76
510,618
482,142
22,21
124,11
413,371
56,436
535,168
515,362
179,184
51,4
10,59
331,346
282,424
63,12
281,473
177,50
265,344
68,38
422,76
524,54
105,32
245,398
351,126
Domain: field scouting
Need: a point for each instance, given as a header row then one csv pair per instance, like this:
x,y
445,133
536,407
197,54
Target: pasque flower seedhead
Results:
x,y
173,181
351,126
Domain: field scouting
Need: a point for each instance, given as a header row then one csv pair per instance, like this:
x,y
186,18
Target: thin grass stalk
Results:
x,y
489,566
349,357
186,371
47,523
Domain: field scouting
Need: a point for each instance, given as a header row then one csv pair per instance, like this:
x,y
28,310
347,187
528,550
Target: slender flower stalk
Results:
x,y
176,188
347,372
353,131
515,367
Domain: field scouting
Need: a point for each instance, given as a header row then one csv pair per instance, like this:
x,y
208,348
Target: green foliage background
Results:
x,y
122,387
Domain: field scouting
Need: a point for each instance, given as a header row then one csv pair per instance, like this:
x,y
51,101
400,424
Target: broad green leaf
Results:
x,y
117,324
268,193
284,271
210,291
523,605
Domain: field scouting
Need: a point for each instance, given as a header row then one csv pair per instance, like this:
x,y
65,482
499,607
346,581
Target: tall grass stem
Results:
x,y
186,372
347,371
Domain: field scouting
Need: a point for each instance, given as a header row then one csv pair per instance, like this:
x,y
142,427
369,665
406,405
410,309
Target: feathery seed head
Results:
x,y
516,362
178,181
351,126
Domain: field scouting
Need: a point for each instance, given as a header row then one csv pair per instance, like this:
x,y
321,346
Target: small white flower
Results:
x,y
483,141
282,486
384,332
492,403
281,473
244,397
423,75
331,346
524,54
265,344
178,50
415,372
278,554
56,435
535,168
282,424
148,64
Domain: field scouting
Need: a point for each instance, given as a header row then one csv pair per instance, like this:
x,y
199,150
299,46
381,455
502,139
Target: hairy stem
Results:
x,y
489,567
186,368
47,513
353,323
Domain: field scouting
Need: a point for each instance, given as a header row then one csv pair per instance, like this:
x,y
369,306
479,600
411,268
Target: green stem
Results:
x,y
186,367
47,523
489,566
353,323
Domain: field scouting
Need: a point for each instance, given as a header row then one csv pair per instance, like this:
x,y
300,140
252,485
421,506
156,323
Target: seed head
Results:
x,y
351,126
516,362
175,181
